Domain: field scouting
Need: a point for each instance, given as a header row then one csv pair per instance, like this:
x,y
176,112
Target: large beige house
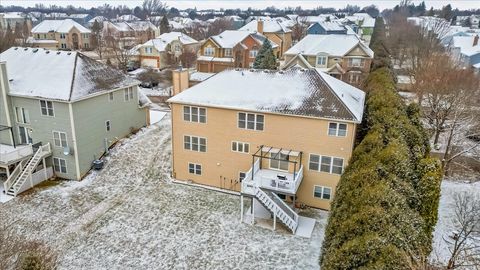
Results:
x,y
166,50
60,34
267,134
344,57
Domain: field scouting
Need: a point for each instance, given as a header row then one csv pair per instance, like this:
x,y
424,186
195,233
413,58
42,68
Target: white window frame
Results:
x,y
256,121
236,146
48,110
352,60
253,53
228,52
240,177
325,60
196,169
22,116
108,126
60,139
322,192
189,116
148,50
128,94
62,35
191,144
60,165
330,165
111,96
209,51
337,129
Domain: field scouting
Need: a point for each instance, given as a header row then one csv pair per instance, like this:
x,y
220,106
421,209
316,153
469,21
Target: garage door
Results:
x,y
203,67
149,63
218,68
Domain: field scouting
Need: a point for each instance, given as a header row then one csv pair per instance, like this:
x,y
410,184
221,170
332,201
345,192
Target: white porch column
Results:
x,y
274,219
241,208
253,211
45,169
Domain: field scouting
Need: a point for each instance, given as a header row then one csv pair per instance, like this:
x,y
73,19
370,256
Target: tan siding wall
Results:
x,y
221,166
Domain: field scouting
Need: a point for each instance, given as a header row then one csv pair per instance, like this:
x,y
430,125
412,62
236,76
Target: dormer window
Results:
x,y
321,60
148,50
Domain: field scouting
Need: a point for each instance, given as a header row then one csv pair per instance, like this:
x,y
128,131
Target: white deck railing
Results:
x,y
17,153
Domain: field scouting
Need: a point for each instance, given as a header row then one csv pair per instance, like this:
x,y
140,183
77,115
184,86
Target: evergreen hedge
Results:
x,y
385,206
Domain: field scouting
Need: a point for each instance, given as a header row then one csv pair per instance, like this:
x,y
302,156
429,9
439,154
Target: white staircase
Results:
x,y
23,172
278,207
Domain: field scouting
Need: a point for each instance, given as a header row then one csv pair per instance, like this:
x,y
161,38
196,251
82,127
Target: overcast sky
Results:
x,y
243,4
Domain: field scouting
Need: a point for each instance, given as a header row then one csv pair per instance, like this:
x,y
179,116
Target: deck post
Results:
x,y
45,168
274,220
241,208
253,212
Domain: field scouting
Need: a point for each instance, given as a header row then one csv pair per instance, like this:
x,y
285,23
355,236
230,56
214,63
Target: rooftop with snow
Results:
x,y
295,92
59,26
59,75
336,45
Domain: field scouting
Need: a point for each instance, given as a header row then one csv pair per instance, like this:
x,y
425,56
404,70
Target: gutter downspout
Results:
x,y
74,140
4,90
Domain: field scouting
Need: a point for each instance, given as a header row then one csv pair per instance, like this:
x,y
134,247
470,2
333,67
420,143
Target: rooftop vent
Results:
x,y
69,53
281,72
25,49
251,70
58,53
35,50
47,52
15,48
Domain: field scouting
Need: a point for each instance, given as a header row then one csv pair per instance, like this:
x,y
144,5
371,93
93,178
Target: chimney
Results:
x,y
180,79
260,26
475,40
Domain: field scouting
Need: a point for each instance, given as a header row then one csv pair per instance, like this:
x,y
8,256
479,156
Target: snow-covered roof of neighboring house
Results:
x,y
160,43
78,16
98,19
336,45
293,92
230,38
215,59
269,26
200,76
58,75
59,26
330,26
32,40
13,15
368,22
128,17
465,43
133,26
176,25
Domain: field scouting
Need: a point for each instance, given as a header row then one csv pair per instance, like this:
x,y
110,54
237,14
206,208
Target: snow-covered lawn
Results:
x,y
446,215
131,216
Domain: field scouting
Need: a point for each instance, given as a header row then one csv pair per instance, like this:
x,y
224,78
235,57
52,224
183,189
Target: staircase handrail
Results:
x,y
293,215
14,176
298,178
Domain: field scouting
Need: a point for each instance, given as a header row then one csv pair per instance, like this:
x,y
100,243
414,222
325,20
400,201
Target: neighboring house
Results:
x,y
12,18
82,19
166,49
326,28
465,50
274,30
73,106
60,34
129,34
288,134
345,57
99,19
127,18
231,49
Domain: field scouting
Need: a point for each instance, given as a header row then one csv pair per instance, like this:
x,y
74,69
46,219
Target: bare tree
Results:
x,y
447,93
151,7
197,31
464,244
218,26
299,29
122,55
188,58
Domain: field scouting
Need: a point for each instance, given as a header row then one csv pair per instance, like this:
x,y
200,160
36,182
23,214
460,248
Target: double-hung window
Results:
x,y
22,115
322,192
128,93
110,96
241,176
337,129
326,164
195,168
253,53
240,147
62,35
355,62
194,143
209,51
228,52
194,114
148,50
60,165
251,121
60,139
46,107
108,125
321,60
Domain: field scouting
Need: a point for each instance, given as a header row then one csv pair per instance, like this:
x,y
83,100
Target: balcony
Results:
x,y
281,181
10,154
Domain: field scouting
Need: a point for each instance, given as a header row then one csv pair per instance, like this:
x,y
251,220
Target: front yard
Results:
x,y
131,216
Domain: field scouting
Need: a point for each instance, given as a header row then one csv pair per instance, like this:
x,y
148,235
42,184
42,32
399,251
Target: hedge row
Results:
x,y
385,207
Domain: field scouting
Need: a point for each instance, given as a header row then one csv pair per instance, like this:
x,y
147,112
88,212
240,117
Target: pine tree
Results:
x,y
164,25
431,12
265,58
